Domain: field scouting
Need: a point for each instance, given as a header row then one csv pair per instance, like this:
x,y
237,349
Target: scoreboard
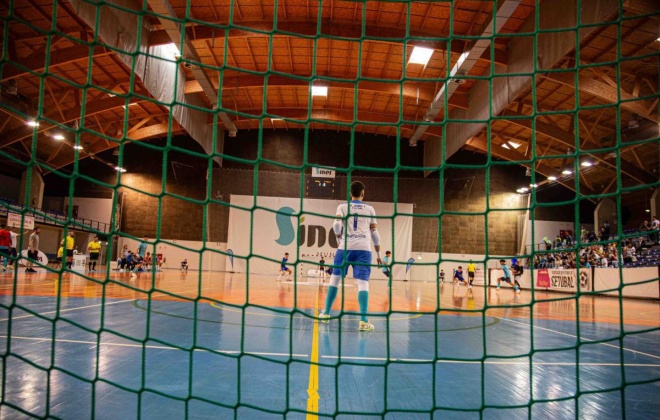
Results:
x,y
320,188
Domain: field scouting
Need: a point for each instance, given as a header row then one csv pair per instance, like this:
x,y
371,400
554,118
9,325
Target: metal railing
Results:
x,y
52,217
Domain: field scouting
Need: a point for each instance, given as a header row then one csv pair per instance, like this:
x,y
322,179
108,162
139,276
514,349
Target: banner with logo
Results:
x,y
563,279
16,221
280,225
322,172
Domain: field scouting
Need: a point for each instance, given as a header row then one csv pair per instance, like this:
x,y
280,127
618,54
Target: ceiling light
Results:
x,y
124,106
78,147
276,119
533,185
58,137
420,55
648,211
552,178
119,169
522,190
33,123
319,90
567,171
512,143
586,164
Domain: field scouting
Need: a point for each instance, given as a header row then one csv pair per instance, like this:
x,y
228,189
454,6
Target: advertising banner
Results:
x,y
566,280
265,228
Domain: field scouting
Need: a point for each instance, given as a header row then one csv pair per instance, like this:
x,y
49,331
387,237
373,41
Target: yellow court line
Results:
x,y
312,388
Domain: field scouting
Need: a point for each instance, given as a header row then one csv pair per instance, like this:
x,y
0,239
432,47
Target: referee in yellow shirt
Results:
x,y
68,243
94,249
471,268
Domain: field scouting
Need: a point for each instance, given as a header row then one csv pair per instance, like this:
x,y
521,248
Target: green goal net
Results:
x,y
226,132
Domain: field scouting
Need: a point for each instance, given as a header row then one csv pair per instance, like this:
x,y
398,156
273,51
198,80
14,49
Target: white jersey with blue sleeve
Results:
x,y
357,220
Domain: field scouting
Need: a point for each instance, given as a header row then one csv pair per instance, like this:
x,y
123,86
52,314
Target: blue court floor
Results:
x,y
120,358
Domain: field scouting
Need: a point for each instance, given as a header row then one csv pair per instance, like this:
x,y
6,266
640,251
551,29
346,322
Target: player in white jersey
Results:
x,y
356,224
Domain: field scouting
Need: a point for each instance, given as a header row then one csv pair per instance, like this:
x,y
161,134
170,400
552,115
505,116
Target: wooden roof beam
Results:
x,y
36,61
542,168
569,139
143,133
491,97
607,93
95,106
394,35
409,90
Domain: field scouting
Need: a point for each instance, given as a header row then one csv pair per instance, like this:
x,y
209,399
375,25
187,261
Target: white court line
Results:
x,y
150,346
92,306
570,335
476,362
583,338
467,362
68,310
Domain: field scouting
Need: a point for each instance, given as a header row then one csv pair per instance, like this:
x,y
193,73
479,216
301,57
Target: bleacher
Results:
x,y
646,258
52,217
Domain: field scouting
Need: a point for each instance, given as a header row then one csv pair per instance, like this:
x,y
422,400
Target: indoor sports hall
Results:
x,y
268,209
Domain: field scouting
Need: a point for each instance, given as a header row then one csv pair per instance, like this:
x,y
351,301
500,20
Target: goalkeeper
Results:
x,y
356,224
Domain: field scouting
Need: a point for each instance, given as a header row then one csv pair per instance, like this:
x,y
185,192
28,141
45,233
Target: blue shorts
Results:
x,y
360,260
459,277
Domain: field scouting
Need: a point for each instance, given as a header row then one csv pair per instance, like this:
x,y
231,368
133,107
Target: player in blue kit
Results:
x,y
507,277
355,227
458,276
284,269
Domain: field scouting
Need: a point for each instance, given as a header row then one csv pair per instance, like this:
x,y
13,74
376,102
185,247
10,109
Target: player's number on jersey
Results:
x,y
355,220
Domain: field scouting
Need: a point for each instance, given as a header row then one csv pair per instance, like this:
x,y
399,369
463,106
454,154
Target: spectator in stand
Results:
x,y
606,231
655,226
548,243
569,240
583,234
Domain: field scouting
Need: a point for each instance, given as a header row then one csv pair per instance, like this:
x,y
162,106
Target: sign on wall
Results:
x,y
14,220
322,172
279,225
565,280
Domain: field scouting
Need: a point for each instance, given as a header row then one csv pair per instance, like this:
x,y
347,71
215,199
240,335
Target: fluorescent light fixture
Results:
x,y
512,143
276,119
32,123
533,185
58,137
586,164
319,90
648,211
522,190
119,169
124,106
420,55
552,178
658,39
566,172
78,147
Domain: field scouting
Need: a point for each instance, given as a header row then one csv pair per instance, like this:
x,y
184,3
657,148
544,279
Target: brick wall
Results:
x,y
283,155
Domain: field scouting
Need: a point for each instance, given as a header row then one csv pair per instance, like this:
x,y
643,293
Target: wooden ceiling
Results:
x,y
360,51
